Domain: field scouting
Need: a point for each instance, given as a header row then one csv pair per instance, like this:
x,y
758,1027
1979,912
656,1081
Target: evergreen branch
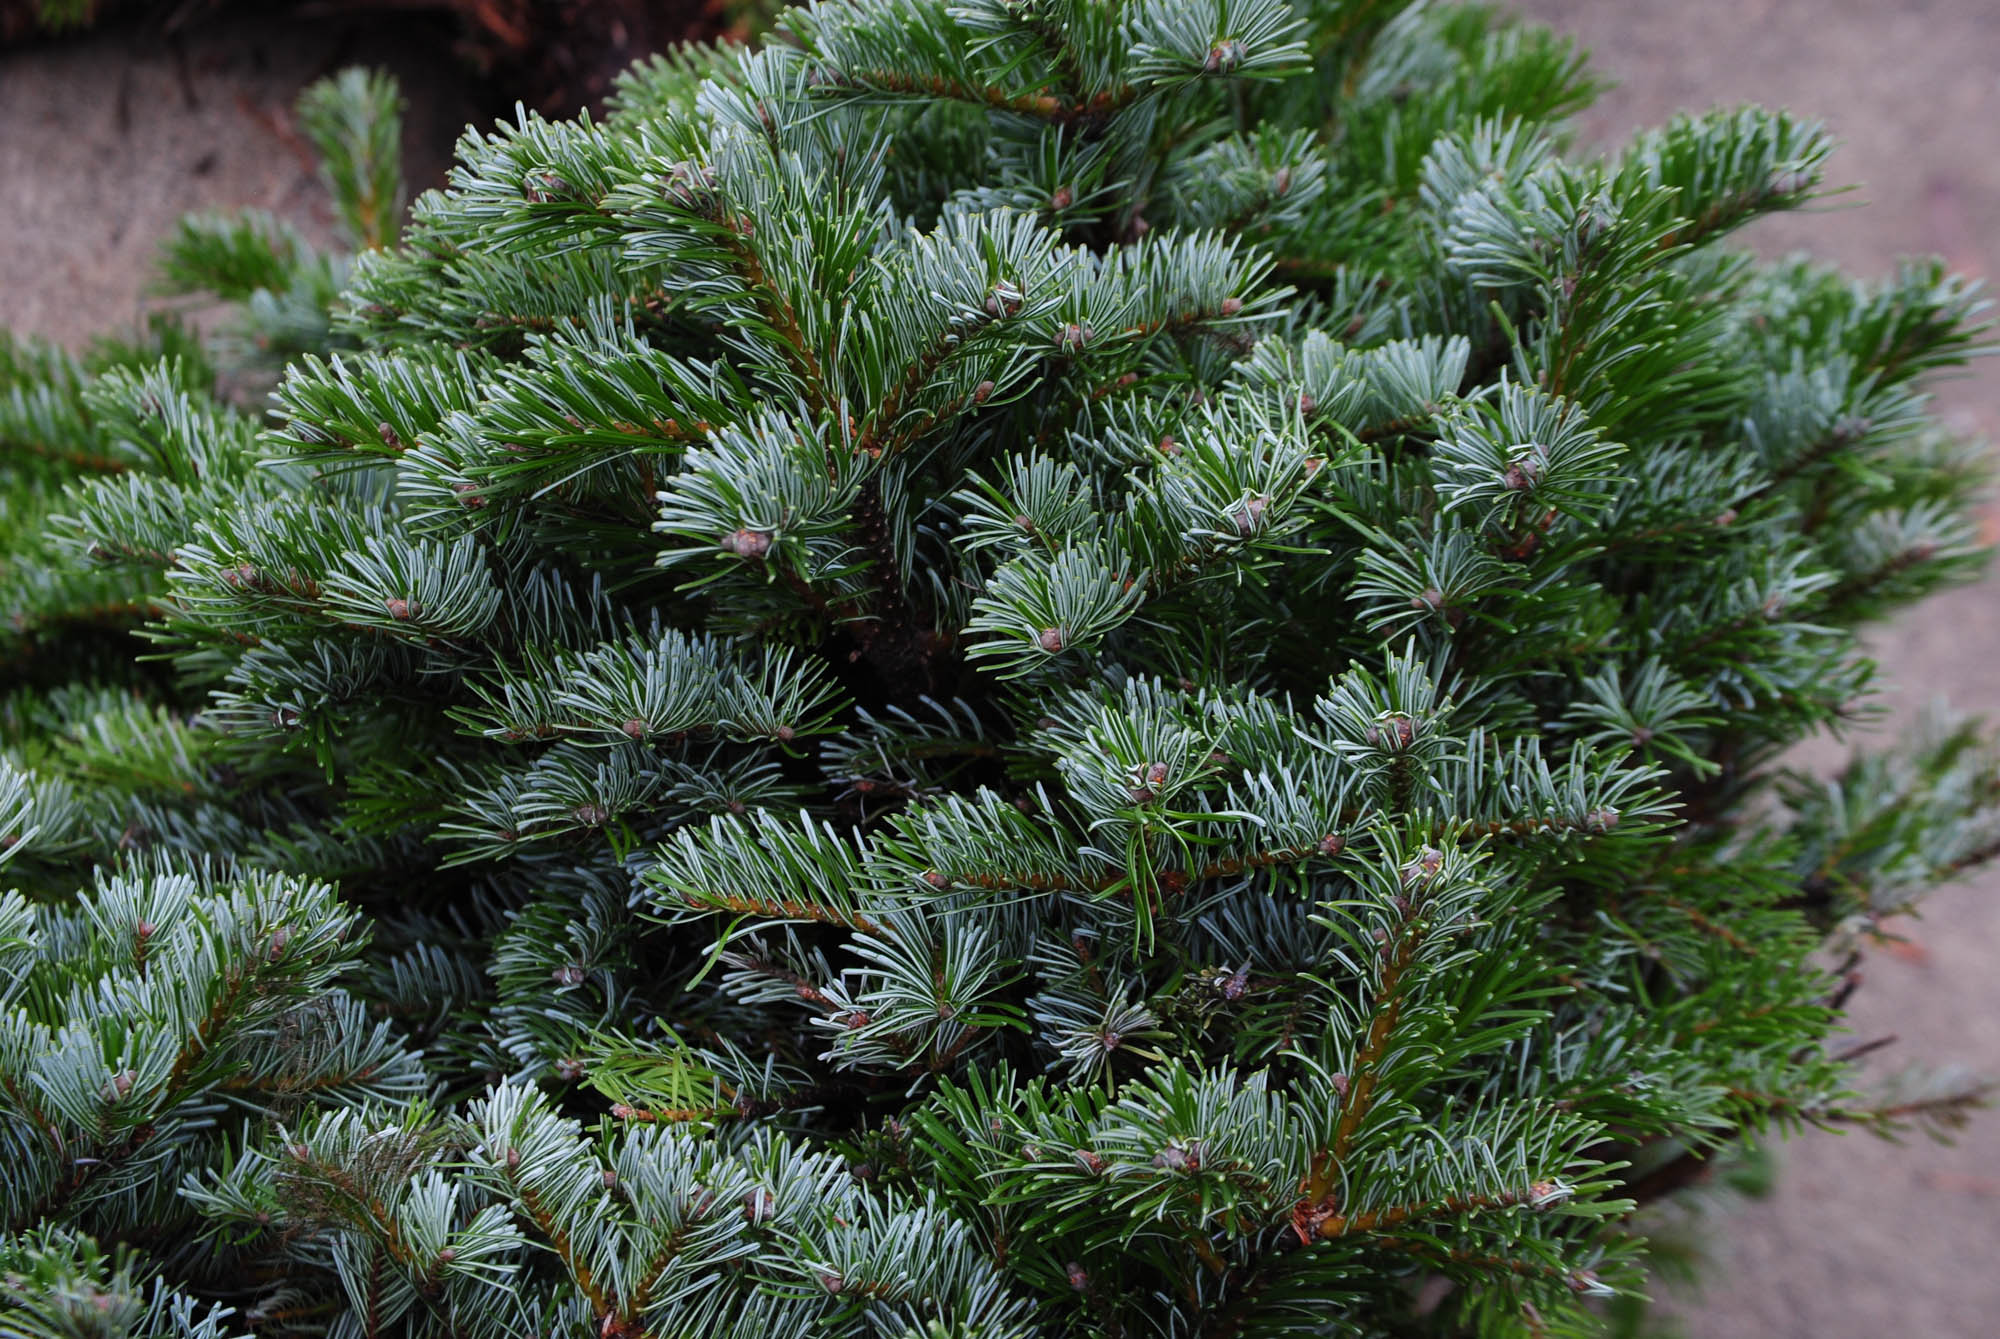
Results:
x,y
785,909
1707,924
1582,1281
778,311
85,461
558,1236
96,615
1357,1088
1040,106
379,1219
1174,879
1336,1225
672,1115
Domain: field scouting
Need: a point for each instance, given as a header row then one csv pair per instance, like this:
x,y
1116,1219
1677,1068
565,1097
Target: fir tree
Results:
x,y
1001,669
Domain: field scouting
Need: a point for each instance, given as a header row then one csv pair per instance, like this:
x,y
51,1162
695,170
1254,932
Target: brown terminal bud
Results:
x,y
1079,1278
635,728
569,974
1249,514
1525,470
1428,862
1231,306
1392,733
541,186
1062,198
982,392
1224,57
749,544
398,610
1332,844
1052,640
1545,1194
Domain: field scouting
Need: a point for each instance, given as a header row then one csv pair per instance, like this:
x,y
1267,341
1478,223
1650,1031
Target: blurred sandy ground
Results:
x,y
107,139
104,142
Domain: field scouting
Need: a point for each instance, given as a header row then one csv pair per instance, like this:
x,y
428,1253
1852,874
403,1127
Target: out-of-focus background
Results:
x,y
105,139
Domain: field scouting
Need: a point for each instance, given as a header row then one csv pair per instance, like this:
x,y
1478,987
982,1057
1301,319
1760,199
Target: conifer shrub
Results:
x,y
1003,669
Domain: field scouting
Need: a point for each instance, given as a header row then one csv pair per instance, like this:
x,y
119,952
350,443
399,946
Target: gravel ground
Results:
x,y
105,141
